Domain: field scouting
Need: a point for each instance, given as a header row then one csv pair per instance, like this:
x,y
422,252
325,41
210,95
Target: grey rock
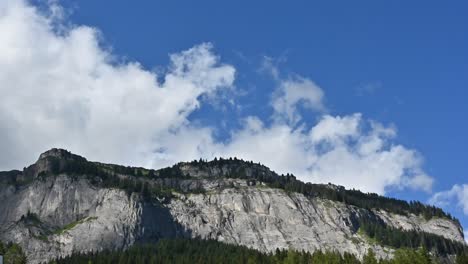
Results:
x,y
255,216
77,217
59,214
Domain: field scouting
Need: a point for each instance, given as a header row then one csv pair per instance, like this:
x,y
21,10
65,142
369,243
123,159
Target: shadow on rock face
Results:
x,y
157,222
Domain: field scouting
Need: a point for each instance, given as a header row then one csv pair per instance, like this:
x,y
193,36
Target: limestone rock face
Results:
x,y
267,219
72,215
438,226
58,214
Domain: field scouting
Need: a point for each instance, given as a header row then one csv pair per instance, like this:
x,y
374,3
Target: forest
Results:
x,y
12,253
106,175
210,251
381,233
290,183
142,181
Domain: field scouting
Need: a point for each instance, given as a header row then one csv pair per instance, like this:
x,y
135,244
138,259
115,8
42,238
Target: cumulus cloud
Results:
x,y
61,88
294,92
336,129
458,195
337,149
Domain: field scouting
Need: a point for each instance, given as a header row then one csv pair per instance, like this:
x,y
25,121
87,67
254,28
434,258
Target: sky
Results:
x,y
366,94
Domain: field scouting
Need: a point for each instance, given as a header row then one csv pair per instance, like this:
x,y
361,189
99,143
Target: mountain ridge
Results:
x,y
63,194
236,168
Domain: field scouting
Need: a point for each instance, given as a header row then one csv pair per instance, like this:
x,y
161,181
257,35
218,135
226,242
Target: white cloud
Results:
x,y
294,92
458,195
336,129
337,150
269,66
65,90
61,88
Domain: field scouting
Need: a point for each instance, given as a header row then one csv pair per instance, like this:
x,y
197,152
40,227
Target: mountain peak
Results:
x,y
59,154
52,160
56,153
62,195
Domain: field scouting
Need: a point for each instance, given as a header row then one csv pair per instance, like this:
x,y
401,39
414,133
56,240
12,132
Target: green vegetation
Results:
x,y
71,225
142,180
12,254
210,251
113,176
13,178
158,186
382,234
462,258
31,218
288,182
42,237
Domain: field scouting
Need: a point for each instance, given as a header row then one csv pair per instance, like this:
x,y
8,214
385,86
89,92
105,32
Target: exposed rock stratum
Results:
x,y
52,213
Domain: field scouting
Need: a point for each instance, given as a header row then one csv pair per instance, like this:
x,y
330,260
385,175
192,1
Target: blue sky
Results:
x,y
398,62
411,56
401,64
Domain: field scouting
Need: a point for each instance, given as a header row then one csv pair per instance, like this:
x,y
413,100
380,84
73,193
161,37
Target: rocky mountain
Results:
x,y
64,204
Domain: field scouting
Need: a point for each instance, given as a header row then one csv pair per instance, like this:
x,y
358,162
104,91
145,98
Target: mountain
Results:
x,y
64,204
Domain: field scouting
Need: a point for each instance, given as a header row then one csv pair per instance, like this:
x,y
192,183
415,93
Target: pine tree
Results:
x,y
370,258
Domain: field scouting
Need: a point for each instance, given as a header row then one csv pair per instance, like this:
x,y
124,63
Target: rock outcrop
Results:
x,y
59,214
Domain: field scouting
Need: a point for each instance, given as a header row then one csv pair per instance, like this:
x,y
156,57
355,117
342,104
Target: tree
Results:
x,y
14,255
370,258
462,259
424,256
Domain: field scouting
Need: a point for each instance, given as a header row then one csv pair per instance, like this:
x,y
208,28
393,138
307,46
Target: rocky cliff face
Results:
x,y
59,214
267,219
